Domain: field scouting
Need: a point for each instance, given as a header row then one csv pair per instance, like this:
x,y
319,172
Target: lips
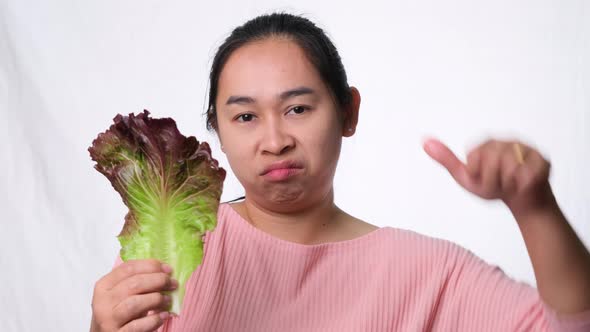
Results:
x,y
284,164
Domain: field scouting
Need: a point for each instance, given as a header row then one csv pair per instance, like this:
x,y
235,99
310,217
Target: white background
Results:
x,y
462,71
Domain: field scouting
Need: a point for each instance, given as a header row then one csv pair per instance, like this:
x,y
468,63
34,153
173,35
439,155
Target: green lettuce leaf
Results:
x,y
171,185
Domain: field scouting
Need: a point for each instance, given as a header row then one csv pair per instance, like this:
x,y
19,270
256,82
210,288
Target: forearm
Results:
x,y
559,258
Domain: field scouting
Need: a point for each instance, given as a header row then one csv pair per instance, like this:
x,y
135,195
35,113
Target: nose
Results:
x,y
276,139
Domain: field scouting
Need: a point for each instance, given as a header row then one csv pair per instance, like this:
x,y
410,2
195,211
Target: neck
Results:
x,y
311,224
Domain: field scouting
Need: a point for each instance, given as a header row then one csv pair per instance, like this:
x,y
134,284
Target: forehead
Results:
x,y
267,67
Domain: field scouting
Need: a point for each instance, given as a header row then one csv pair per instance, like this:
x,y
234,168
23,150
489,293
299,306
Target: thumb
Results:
x,y
444,156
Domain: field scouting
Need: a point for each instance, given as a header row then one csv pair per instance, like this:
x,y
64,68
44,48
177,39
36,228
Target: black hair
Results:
x,y
318,48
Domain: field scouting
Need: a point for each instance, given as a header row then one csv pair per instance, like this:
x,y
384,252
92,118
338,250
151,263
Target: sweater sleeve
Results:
x,y
477,296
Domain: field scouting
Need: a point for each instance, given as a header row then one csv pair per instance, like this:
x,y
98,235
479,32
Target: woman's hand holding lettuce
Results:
x,y
172,187
122,298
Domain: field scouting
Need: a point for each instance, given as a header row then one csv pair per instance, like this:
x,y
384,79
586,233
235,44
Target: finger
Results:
x,y
474,163
137,306
490,172
143,284
444,156
157,311
130,268
534,170
146,324
509,166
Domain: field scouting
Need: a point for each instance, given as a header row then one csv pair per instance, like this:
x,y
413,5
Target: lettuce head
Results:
x,y
171,186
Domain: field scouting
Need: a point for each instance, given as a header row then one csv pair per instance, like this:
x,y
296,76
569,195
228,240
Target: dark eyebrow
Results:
x,y
296,92
283,96
239,100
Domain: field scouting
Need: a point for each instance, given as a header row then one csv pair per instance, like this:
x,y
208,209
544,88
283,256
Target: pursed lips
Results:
x,y
284,164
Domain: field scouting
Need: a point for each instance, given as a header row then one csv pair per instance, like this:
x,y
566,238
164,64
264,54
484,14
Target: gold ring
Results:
x,y
518,153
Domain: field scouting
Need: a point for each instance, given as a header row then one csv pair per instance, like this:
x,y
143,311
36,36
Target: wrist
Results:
x,y
525,212
539,203
549,215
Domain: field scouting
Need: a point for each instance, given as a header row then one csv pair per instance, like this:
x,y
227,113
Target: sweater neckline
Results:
x,y
275,241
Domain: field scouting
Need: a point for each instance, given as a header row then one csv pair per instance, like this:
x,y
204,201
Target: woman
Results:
x,y
288,259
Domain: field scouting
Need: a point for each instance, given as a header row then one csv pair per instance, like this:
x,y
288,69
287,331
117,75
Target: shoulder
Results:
x,y
413,242
419,249
399,242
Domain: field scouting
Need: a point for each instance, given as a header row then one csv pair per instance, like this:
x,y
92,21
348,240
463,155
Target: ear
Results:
x,y
351,113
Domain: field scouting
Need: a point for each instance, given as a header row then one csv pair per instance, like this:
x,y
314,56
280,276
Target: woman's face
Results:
x,y
272,106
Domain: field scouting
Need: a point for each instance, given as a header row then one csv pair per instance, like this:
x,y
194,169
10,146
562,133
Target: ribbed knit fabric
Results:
x,y
387,280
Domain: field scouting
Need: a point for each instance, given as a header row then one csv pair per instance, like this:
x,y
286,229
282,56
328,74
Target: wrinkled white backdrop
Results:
x,y
459,70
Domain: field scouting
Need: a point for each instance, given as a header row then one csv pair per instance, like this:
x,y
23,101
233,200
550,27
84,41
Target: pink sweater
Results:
x,y
387,280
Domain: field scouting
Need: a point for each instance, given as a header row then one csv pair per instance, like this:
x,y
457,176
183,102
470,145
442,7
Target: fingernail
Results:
x,y
167,299
164,315
173,283
166,268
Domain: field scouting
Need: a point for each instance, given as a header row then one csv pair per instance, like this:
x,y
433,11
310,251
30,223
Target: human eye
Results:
x,y
298,109
246,117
